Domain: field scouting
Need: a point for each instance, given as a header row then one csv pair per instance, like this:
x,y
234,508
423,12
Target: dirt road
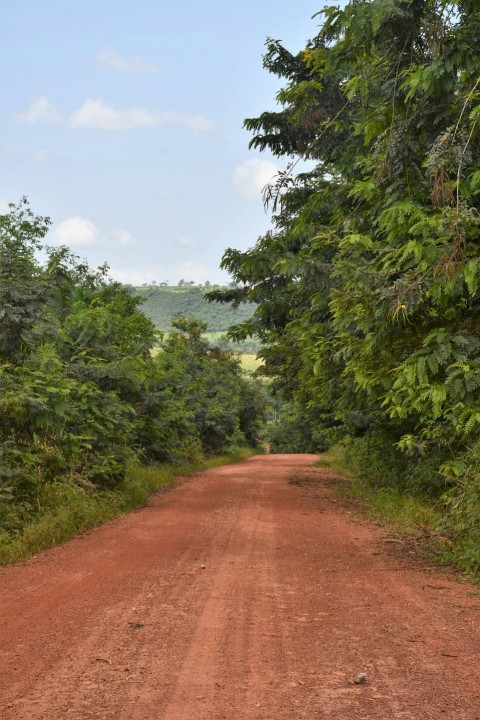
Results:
x,y
237,595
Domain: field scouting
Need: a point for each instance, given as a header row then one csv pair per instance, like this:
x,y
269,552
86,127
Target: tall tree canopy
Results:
x,y
368,284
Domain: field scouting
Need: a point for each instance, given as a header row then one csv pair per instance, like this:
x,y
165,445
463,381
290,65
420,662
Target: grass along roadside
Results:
x,y
415,522
68,509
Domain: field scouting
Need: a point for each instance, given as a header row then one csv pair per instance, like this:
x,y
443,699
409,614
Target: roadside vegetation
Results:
x,y
414,518
367,289
85,405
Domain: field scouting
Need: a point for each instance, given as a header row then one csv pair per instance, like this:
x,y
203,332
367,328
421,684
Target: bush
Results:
x,y
375,458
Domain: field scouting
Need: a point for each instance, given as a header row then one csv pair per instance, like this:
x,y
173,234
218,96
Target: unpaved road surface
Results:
x,y
237,595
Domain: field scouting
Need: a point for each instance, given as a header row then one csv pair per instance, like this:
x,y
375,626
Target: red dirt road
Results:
x,y
235,596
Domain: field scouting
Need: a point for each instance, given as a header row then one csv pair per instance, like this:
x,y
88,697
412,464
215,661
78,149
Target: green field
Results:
x,y
250,363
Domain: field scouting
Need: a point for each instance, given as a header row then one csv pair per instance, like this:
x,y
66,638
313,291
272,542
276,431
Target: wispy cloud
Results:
x,y
41,110
97,115
251,177
192,271
122,237
187,242
132,64
9,153
137,277
41,156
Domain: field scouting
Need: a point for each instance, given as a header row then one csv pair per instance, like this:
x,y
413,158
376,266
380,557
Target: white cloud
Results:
x,y
137,277
41,156
123,237
198,125
192,271
79,232
187,242
97,115
251,177
76,232
189,271
131,64
40,110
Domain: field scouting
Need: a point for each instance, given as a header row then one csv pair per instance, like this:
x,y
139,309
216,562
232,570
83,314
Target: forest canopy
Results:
x,y
81,393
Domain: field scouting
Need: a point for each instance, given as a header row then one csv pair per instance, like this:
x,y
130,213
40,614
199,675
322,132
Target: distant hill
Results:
x,y
162,304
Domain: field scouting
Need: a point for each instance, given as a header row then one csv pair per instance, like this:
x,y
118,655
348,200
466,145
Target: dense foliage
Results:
x,y
81,392
368,286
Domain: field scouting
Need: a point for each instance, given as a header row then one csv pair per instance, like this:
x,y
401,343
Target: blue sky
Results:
x,y
122,121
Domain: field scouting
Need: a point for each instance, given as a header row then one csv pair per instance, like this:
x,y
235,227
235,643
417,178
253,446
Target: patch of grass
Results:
x,y
69,509
407,513
414,519
323,463
66,511
249,362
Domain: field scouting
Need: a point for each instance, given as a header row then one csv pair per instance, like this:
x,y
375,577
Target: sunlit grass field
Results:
x,y
250,362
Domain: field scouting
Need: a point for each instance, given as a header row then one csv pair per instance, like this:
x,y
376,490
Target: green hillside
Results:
x,y
162,304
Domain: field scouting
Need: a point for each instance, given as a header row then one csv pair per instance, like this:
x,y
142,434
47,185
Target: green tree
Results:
x,y
23,291
226,411
367,286
81,392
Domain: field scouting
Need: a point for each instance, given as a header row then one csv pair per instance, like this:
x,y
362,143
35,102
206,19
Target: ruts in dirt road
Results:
x,y
237,595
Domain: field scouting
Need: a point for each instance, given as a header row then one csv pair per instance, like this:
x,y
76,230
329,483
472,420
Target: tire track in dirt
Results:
x,y
295,599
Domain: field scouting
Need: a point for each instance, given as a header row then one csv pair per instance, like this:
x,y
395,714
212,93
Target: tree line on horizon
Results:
x,y
181,284
163,304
